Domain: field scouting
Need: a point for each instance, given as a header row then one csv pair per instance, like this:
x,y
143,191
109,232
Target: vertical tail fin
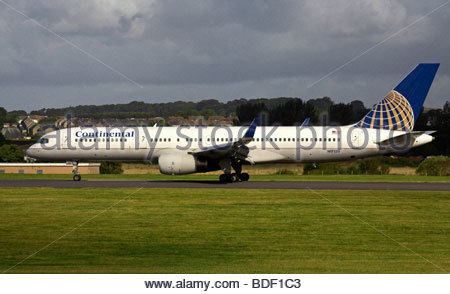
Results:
x,y
401,107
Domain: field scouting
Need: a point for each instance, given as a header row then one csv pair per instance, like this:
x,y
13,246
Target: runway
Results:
x,y
314,185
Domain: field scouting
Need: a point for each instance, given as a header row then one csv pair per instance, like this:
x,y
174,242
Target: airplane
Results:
x,y
387,128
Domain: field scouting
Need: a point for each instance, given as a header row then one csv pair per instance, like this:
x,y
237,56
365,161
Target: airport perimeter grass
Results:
x,y
215,177
94,230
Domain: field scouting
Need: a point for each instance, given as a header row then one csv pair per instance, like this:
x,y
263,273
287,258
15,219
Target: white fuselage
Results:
x,y
270,144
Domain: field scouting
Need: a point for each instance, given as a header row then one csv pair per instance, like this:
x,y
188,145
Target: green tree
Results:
x,y
11,153
188,112
292,112
3,114
206,113
434,166
248,111
341,114
2,138
443,130
370,166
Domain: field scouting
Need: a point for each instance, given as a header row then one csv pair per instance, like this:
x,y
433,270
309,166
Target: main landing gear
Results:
x,y
76,174
229,177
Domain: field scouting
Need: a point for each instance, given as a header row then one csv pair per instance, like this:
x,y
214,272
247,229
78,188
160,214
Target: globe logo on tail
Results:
x,y
393,113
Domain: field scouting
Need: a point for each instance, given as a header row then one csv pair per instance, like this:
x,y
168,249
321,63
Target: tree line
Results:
x,y
208,107
293,111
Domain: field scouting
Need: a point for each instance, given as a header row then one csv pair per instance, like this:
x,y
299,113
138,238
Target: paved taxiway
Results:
x,y
242,185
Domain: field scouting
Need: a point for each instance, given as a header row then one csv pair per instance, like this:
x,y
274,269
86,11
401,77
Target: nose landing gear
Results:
x,y
76,174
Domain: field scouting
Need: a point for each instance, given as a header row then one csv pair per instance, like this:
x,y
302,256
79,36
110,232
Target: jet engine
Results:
x,y
181,164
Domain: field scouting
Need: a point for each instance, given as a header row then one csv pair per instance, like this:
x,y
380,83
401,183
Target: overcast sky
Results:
x,y
59,53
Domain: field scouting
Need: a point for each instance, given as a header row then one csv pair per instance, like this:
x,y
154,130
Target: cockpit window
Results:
x,y
43,140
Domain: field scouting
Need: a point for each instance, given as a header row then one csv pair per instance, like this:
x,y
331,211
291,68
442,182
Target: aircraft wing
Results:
x,y
236,150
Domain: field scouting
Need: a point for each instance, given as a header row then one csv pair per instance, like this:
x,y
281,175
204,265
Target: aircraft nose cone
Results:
x,y
32,151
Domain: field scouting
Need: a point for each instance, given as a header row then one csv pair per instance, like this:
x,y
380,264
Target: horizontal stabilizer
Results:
x,y
404,140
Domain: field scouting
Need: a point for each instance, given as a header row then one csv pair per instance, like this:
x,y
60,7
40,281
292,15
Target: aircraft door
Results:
x,y
357,138
143,141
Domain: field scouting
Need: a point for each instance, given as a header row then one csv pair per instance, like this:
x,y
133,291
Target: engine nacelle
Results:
x,y
181,164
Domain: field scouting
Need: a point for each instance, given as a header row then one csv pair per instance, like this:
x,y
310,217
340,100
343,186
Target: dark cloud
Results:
x,y
215,49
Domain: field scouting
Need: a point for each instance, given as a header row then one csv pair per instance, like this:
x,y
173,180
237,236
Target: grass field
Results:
x,y
215,177
223,231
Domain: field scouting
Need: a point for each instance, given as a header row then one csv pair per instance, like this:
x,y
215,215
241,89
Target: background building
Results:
x,y
48,168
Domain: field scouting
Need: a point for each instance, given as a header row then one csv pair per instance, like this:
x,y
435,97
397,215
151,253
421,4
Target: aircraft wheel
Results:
x,y
77,178
245,177
223,178
234,178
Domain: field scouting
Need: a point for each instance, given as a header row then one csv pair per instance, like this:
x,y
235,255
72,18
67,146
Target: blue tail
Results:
x,y
401,107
